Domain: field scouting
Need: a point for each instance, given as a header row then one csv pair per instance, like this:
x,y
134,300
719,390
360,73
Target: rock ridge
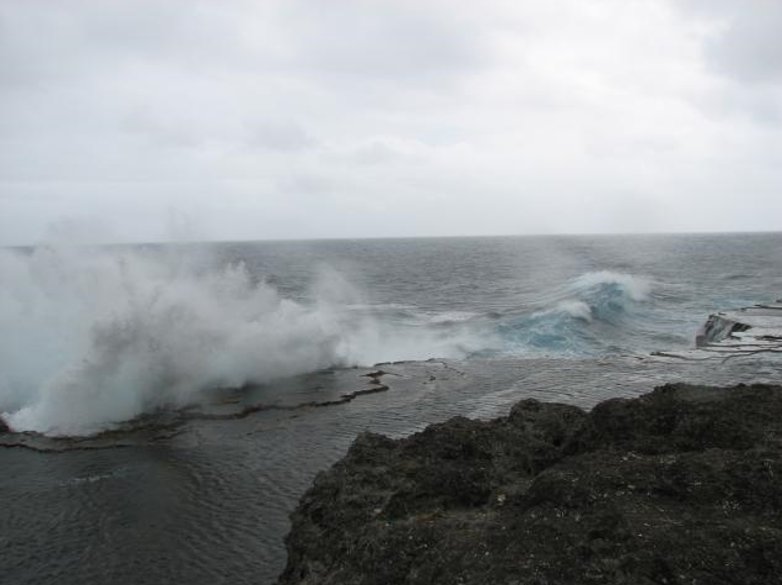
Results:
x,y
681,485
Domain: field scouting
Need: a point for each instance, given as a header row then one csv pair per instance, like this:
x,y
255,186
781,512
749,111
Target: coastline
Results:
x,y
218,457
681,485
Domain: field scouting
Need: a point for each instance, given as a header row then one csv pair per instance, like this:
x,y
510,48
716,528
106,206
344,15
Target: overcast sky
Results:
x,y
231,119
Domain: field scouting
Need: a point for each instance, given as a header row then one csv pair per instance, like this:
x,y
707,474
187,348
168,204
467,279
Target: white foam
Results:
x,y
91,338
637,288
576,309
451,317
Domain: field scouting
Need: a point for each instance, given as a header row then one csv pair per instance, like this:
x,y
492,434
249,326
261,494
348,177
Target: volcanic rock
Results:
x,y
680,486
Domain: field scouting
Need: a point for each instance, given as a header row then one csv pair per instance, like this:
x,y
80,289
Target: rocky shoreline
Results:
x,y
744,326
681,485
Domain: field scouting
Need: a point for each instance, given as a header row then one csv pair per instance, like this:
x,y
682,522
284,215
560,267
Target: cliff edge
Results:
x,y
682,485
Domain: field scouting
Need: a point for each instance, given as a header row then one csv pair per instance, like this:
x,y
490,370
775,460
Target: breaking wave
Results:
x,y
92,338
587,316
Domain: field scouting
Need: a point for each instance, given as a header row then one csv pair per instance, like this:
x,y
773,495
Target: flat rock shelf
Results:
x,y
743,332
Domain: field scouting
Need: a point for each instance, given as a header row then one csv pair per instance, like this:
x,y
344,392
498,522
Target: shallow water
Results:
x,y
211,503
203,495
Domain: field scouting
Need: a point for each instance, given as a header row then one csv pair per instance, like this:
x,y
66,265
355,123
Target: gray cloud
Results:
x,y
310,119
282,135
746,44
401,41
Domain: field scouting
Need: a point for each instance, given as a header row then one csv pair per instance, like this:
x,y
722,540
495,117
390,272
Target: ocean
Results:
x,y
169,405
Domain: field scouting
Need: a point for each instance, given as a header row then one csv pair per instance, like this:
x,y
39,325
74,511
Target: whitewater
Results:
x,y
169,404
94,337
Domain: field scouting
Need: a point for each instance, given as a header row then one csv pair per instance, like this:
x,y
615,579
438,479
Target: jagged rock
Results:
x,y
747,324
682,485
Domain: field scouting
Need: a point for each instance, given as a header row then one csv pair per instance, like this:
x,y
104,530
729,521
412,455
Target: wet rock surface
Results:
x,y
682,485
739,333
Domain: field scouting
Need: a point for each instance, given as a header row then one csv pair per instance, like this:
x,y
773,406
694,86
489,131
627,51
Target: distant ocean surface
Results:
x,y
170,404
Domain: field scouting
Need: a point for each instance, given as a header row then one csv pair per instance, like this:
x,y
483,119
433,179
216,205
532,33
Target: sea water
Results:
x,y
165,399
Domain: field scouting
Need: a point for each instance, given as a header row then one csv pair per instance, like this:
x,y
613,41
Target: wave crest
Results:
x,y
584,318
635,288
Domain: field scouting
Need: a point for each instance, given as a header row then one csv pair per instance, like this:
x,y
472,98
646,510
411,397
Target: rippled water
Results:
x,y
202,495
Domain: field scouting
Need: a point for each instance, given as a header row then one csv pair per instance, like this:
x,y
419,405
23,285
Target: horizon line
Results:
x,y
63,242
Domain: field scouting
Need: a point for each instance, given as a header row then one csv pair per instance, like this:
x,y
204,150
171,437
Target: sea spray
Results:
x,y
634,288
95,337
92,337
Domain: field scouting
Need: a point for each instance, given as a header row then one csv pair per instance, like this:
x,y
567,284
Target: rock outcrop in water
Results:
x,y
680,486
753,327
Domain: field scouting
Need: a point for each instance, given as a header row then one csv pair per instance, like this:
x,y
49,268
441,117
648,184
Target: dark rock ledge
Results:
x,y
680,486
